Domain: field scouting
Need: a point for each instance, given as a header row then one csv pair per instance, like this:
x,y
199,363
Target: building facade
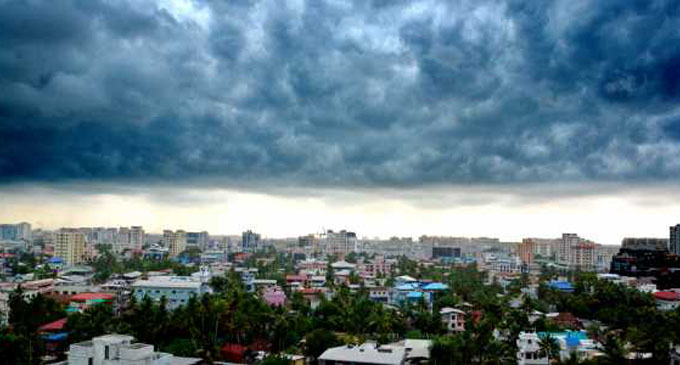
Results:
x,y
250,241
136,237
527,251
177,290
70,246
674,242
339,244
175,242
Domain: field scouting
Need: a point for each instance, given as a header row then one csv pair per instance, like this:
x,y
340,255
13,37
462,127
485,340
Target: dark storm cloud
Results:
x,y
379,93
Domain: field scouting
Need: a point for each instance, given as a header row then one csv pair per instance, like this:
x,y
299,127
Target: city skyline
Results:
x,y
471,118
415,216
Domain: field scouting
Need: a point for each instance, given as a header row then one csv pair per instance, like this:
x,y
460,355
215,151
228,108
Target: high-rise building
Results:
x,y
583,255
250,241
8,231
123,237
645,243
136,237
568,241
23,232
176,242
527,250
70,246
339,244
674,242
198,239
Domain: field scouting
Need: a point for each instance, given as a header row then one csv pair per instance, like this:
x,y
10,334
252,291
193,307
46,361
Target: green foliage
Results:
x,y
318,340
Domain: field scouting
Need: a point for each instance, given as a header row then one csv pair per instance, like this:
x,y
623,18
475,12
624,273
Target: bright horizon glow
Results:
x,y
603,217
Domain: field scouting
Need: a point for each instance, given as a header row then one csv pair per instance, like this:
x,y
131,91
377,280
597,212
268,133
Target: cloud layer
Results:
x,y
339,93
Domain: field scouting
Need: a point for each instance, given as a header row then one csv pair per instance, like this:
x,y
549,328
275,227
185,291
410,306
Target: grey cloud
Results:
x,y
373,94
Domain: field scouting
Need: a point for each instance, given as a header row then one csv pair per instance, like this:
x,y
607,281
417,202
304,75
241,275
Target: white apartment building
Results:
x,y
176,242
176,289
116,349
136,237
123,238
69,245
23,231
528,350
339,244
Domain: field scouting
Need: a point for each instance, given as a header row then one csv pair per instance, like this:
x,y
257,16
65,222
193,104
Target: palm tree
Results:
x,y
549,347
613,349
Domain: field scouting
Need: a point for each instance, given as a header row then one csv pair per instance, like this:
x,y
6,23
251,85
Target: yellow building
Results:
x,y
70,245
176,242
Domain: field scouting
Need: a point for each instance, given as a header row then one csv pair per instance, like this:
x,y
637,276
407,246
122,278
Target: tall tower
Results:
x,y
674,242
136,237
70,245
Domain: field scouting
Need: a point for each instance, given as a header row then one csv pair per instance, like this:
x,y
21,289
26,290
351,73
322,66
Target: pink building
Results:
x,y
274,296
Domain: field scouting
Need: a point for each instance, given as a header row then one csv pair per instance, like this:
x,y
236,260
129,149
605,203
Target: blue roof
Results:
x,y
561,285
578,335
61,336
406,287
572,341
55,260
414,294
436,286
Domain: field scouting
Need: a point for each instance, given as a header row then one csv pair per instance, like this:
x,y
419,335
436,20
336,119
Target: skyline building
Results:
x,y
69,244
250,241
198,239
176,241
136,237
674,241
339,244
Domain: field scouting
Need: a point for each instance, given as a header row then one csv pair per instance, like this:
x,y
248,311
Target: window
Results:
x,y
106,352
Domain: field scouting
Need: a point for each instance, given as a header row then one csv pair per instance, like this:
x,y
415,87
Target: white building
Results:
x,y
136,237
339,244
123,238
528,350
368,353
453,319
119,350
176,289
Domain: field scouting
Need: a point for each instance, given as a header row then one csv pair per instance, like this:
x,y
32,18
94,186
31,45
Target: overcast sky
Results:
x,y
497,118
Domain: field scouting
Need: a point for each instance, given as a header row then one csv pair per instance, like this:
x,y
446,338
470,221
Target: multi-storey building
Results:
x,y
70,246
339,244
645,243
674,243
123,238
117,349
136,237
582,255
568,241
23,231
176,242
198,239
15,232
250,241
177,290
527,250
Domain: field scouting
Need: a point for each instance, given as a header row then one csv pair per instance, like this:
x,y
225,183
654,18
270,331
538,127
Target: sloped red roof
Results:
x,y
53,326
666,295
92,296
233,352
296,277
